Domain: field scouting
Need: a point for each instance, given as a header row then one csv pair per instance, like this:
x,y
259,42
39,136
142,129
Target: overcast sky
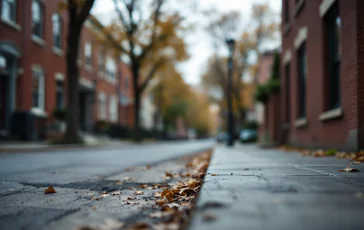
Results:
x,y
199,45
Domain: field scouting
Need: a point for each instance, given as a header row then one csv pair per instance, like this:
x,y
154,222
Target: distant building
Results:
x,y
322,70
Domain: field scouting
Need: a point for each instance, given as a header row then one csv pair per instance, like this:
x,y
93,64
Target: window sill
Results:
x,y
57,51
286,28
331,114
89,68
299,7
300,123
38,40
39,112
11,24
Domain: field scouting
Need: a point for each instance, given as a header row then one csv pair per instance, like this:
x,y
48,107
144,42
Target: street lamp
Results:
x,y
230,121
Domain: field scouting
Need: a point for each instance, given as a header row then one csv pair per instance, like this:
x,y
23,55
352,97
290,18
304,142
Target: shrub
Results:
x,y
262,93
330,152
60,114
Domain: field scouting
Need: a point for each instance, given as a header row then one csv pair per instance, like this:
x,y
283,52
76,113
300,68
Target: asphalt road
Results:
x,y
81,164
79,174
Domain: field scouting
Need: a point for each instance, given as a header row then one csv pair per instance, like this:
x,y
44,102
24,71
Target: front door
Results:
x,y
3,101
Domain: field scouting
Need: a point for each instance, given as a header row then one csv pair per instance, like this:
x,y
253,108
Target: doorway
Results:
x,y
3,101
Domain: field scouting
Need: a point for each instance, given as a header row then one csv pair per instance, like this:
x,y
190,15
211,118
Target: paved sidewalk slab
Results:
x,y
250,188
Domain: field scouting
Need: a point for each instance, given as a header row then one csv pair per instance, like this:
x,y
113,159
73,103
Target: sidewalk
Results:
x,y
269,189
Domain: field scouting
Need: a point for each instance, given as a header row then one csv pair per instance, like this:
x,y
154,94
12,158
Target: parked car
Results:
x,y
222,137
248,135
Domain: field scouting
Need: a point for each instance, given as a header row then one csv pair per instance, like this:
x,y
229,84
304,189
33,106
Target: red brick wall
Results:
x,y
35,54
342,132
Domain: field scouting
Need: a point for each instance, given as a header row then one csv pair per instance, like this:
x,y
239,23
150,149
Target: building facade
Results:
x,y
33,69
322,73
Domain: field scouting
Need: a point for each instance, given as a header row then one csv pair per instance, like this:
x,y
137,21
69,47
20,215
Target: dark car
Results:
x,y
248,135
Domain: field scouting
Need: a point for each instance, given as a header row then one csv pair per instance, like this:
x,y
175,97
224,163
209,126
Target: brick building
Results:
x,y
322,70
33,69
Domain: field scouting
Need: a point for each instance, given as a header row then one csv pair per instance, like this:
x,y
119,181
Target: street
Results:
x,y
76,174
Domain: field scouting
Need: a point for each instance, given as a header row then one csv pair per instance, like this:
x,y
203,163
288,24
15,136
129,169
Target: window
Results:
x,y
37,18
113,109
59,94
126,82
111,68
38,89
101,61
8,11
302,77
102,106
332,26
286,14
287,96
88,53
57,30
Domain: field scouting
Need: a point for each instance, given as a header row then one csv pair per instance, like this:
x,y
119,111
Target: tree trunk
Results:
x,y
137,134
137,95
72,135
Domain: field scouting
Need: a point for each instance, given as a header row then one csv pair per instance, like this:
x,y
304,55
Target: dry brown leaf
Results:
x,y
138,192
131,198
118,182
168,174
49,190
139,226
131,202
208,217
148,167
166,226
143,186
349,169
116,193
213,174
161,201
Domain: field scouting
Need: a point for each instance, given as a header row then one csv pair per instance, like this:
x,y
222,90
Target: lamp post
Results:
x,y
230,121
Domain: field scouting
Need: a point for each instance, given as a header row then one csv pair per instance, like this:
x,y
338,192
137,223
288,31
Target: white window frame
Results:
x,y
41,18
3,11
57,18
102,106
113,108
88,53
37,70
325,6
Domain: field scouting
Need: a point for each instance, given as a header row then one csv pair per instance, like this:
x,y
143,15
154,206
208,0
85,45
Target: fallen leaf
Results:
x,y
131,198
355,162
138,192
131,202
168,174
143,186
148,167
159,215
157,195
111,224
49,190
166,226
139,226
213,174
116,193
118,182
349,169
162,201
208,217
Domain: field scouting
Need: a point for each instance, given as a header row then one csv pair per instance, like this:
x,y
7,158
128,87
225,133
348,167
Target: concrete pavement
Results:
x,y
250,188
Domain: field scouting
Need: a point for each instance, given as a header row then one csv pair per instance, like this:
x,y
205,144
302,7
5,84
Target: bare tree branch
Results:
x,y
85,11
151,74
